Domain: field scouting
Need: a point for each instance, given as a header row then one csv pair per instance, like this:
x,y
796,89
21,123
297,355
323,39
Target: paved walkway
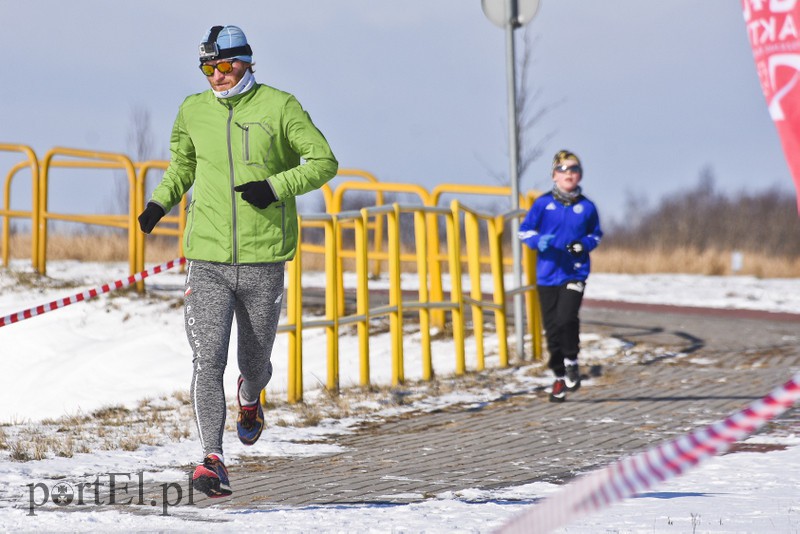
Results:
x,y
631,405
634,402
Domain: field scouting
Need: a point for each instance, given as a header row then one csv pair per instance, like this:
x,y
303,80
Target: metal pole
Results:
x,y
514,175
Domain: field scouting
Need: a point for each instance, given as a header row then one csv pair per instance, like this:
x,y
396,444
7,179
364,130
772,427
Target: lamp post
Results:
x,y
509,15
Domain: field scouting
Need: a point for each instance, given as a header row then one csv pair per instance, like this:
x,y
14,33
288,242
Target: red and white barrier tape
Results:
x,y
634,474
86,295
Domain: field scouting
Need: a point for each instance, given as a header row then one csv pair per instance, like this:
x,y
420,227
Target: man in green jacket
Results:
x,y
240,145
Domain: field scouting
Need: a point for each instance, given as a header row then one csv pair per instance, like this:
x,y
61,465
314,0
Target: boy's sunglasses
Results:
x,y
569,168
224,67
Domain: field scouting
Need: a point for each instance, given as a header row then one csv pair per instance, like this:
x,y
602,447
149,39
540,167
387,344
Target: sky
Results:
x,y
115,336
648,94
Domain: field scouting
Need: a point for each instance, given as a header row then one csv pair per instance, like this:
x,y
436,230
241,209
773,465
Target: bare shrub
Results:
x,y
65,448
703,219
19,452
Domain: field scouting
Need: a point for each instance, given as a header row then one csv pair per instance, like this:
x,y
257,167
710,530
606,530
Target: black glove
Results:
x,y
150,216
259,193
576,248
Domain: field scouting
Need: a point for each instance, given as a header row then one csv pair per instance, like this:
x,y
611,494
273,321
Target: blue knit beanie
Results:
x,y
229,37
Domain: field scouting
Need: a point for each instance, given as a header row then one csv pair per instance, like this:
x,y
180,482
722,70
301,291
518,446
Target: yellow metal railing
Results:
x,y
365,311
165,225
483,191
476,297
106,160
7,213
399,305
377,238
378,188
377,228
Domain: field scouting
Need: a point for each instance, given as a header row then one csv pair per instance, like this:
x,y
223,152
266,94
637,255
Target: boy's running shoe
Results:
x,y
250,422
573,378
211,478
559,391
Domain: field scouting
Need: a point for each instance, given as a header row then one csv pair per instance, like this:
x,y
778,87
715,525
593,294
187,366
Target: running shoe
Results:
x,y
250,422
573,378
559,391
211,478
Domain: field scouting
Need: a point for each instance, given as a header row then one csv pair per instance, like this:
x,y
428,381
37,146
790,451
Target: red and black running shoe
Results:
x,y
211,478
559,391
250,422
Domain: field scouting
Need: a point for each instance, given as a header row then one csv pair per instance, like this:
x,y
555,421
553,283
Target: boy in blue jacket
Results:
x,y
563,226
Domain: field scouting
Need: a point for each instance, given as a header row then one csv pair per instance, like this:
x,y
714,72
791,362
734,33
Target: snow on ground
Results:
x,y
729,292
120,354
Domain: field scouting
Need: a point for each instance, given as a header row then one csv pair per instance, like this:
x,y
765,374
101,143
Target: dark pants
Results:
x,y
560,306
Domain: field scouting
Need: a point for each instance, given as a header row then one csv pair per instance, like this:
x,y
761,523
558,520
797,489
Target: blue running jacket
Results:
x,y
577,222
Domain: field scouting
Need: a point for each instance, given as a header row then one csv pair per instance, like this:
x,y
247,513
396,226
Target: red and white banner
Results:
x,y
88,294
772,27
634,474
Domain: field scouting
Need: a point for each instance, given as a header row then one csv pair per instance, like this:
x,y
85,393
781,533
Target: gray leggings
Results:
x,y
214,294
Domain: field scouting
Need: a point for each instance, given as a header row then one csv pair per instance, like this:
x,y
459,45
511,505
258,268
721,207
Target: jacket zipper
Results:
x,y
234,215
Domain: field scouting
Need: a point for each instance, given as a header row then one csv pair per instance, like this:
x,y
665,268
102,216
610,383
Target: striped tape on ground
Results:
x,y
88,294
637,473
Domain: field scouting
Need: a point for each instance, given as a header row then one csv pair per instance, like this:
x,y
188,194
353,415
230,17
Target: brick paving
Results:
x,y
628,405
633,404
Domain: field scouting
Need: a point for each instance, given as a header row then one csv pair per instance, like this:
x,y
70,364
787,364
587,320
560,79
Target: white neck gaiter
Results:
x,y
244,85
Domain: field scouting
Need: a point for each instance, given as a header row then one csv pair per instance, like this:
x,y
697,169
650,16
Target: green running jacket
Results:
x,y
217,144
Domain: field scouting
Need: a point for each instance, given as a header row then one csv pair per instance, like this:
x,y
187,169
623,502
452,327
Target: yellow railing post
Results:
x,y
362,296
434,261
421,235
33,163
456,296
395,296
294,314
495,226
331,302
472,239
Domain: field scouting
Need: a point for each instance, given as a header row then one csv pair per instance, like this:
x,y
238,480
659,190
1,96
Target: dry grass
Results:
x,y
94,247
687,260
153,422
692,261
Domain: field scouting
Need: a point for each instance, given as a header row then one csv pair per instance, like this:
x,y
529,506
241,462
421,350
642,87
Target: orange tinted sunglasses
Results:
x,y
224,67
